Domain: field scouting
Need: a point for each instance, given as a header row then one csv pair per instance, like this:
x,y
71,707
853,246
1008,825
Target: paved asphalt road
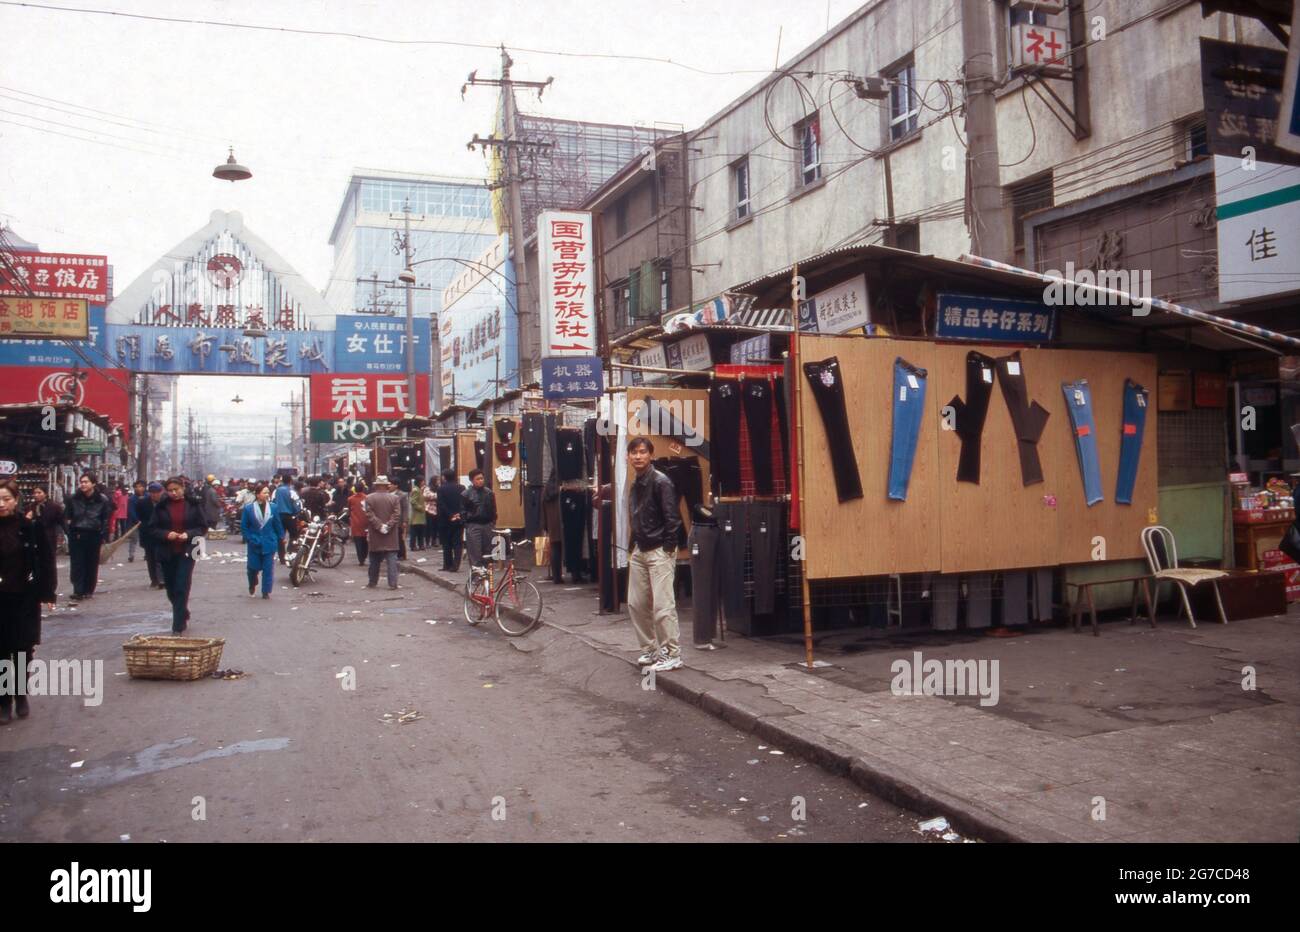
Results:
x,y
559,739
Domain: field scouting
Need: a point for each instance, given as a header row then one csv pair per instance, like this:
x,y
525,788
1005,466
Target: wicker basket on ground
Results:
x,y
168,657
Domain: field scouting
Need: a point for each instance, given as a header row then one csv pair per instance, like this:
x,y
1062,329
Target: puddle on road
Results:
x,y
154,759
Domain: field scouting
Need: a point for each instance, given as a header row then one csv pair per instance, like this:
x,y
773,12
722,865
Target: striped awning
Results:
x,y
764,318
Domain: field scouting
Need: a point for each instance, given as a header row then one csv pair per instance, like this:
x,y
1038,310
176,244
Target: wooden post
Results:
x,y
796,373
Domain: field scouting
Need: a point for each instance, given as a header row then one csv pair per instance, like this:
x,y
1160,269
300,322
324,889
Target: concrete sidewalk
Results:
x,y
1151,729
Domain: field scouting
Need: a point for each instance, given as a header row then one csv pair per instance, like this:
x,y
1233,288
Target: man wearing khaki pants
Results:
x,y
652,561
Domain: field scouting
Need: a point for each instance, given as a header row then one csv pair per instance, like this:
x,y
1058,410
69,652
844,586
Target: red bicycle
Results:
x,y
513,601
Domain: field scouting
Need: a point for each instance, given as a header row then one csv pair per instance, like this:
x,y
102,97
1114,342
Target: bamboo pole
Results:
x,y
796,374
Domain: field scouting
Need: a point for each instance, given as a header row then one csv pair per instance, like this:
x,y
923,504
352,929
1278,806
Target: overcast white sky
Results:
x,y
153,105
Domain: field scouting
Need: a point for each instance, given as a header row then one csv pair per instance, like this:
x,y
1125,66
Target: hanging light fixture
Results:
x,y
230,170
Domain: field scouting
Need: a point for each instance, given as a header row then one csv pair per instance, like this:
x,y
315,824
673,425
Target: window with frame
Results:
x,y
665,285
1198,141
905,236
809,133
740,186
1025,197
904,103
620,218
622,293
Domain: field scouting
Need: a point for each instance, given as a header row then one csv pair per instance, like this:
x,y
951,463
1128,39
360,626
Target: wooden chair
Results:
x,y
1162,557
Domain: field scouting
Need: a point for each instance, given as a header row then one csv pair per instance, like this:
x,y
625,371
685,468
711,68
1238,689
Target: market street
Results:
x,y
567,739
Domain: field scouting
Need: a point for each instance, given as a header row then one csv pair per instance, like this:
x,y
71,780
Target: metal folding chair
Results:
x,y
1162,558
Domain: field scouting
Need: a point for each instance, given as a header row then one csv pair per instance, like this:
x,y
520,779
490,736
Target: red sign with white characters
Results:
x,y
364,397
51,386
568,292
59,275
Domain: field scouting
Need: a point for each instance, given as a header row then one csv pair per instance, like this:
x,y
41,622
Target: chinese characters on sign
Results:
x,y
572,377
219,351
58,275
1257,228
567,283
1036,46
838,309
44,318
1242,87
351,407
364,344
968,317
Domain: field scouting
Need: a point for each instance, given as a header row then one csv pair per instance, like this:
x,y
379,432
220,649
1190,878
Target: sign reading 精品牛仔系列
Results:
x,y
998,320
838,309
572,377
27,318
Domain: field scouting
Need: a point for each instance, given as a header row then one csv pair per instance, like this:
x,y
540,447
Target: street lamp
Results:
x,y
230,170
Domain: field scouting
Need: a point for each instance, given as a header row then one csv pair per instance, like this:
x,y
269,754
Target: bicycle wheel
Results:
x,y
518,608
331,551
478,600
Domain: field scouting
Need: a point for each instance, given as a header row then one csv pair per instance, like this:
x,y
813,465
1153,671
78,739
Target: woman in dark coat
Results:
x,y
177,522
26,581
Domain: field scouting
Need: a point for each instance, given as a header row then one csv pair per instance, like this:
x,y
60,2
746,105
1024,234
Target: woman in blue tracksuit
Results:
x,y
262,529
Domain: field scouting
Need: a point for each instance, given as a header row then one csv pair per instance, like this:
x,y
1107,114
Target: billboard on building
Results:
x,y
1258,225
347,406
478,329
370,343
57,275
219,350
58,353
105,390
26,318
566,283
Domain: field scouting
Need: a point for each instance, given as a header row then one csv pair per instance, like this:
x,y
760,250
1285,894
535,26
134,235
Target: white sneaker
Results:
x,y
652,656
668,663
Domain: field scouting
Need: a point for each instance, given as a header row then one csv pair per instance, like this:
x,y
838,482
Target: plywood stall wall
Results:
x,y
950,526
510,502
698,399
465,459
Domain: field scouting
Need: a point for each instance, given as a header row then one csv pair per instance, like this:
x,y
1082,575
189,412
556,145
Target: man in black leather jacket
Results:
x,y
652,560
89,516
480,513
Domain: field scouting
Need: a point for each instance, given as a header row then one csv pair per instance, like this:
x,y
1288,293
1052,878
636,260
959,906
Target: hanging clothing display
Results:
x,y
574,506
589,445
549,449
756,397
706,581
724,428
732,518
669,425
909,408
505,431
687,477
534,439
533,510
971,412
1130,441
765,536
827,385
1078,401
1028,418
783,425
569,457
480,454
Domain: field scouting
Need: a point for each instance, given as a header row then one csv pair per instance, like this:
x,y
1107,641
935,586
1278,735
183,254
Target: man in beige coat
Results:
x,y
383,531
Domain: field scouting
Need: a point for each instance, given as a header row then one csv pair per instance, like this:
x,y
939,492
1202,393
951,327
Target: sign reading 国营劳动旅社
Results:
x,y
566,283
998,320
57,275
572,377
27,318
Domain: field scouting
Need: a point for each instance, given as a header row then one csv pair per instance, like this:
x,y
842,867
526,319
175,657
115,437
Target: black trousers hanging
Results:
x,y
505,431
569,456
756,396
589,445
765,536
705,582
971,414
733,524
534,439
480,454
724,430
688,480
533,511
573,518
827,385
783,424
1028,419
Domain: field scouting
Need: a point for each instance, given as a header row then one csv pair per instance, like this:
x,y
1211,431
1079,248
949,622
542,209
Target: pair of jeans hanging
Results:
x,y
827,385
1078,401
971,413
909,407
724,428
1028,418
1130,442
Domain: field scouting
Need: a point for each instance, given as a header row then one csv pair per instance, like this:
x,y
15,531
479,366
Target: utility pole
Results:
x,y
985,216
175,466
411,406
512,143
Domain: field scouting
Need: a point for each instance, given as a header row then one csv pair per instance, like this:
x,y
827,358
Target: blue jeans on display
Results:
x,y
1130,443
261,561
1078,401
909,407
178,573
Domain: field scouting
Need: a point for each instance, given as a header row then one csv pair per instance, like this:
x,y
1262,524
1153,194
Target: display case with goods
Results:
x,y
1260,517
